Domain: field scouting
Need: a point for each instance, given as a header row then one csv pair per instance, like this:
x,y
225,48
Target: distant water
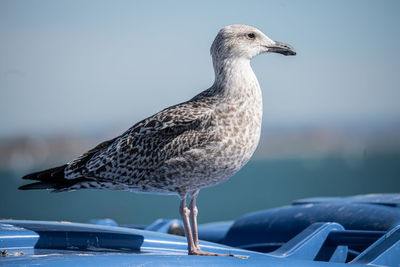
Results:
x,y
261,184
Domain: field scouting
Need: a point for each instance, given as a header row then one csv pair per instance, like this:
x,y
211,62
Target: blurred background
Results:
x,y
75,73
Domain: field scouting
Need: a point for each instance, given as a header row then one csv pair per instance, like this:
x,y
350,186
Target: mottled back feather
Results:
x,y
195,144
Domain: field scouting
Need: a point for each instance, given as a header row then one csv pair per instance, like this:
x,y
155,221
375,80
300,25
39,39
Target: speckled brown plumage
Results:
x,y
195,144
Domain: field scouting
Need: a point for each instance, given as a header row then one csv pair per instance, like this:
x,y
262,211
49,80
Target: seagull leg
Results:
x,y
193,223
193,218
184,211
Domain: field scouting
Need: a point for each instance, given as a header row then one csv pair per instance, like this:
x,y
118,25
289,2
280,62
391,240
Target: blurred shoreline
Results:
x,y
353,142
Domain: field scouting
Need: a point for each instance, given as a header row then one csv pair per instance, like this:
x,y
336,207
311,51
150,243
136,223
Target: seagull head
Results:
x,y
242,41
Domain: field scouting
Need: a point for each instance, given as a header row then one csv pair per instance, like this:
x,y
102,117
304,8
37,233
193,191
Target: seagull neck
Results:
x,y
234,77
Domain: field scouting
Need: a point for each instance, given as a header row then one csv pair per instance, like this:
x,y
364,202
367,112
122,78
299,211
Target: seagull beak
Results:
x,y
281,48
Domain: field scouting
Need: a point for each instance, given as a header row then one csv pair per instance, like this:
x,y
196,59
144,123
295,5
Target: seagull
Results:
x,y
186,147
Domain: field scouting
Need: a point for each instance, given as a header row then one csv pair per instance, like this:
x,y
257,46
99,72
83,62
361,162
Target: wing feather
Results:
x,y
147,145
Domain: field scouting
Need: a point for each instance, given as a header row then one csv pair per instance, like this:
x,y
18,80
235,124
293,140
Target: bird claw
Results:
x,y
204,253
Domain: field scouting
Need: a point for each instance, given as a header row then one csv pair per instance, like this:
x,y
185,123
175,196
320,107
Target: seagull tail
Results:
x,y
50,179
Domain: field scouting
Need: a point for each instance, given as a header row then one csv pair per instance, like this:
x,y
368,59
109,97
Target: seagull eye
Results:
x,y
251,35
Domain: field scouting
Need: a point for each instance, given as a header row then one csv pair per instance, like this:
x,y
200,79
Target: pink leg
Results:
x,y
193,218
195,248
184,211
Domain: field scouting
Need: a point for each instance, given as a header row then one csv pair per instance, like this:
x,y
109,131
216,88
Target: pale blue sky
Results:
x,y
78,66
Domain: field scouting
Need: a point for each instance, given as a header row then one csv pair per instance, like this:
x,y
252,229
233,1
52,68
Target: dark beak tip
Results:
x,y
286,52
283,49
289,51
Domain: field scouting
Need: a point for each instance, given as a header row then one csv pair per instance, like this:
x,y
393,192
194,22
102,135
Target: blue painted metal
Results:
x,y
164,225
311,244
291,236
72,244
390,200
214,232
267,230
106,221
385,251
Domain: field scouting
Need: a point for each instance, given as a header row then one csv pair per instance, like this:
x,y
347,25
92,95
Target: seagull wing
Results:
x,y
146,146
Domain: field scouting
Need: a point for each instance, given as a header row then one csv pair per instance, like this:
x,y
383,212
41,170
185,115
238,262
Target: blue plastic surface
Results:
x,y
349,237
274,227
385,251
303,246
72,244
